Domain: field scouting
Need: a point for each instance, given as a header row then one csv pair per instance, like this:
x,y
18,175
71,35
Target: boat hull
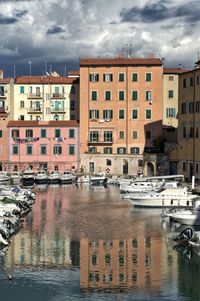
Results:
x,y
163,202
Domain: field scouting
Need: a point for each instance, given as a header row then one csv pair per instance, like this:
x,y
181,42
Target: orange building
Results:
x,y
120,112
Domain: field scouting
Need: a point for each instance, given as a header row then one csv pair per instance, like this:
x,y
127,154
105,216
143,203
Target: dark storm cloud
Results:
x,y
161,11
55,29
5,20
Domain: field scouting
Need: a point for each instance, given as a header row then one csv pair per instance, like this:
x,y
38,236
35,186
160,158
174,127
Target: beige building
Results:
x,y
187,151
120,112
46,98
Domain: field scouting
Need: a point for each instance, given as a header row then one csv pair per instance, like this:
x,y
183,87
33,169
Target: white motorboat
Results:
x,y
4,178
67,177
28,177
98,179
185,216
54,177
165,198
83,179
41,177
15,178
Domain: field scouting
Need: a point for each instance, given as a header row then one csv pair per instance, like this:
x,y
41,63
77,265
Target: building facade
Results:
x,y
120,112
187,151
52,145
46,98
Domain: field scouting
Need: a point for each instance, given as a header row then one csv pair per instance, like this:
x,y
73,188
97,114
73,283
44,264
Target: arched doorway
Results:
x,y
125,167
150,169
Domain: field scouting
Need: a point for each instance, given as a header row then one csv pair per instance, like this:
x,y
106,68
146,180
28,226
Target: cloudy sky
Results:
x,y
53,33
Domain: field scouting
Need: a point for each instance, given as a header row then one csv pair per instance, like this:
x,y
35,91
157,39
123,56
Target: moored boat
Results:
x,y
41,177
28,177
54,177
98,179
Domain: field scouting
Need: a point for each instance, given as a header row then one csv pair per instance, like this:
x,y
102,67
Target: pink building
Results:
x,y
53,145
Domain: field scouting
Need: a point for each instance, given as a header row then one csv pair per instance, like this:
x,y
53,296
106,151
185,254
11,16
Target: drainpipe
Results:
x,y
194,124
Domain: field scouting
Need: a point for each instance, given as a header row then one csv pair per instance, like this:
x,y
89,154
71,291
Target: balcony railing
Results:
x,y
110,141
35,95
58,95
58,110
35,110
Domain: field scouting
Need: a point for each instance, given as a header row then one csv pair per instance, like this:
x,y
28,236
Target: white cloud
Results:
x,y
95,27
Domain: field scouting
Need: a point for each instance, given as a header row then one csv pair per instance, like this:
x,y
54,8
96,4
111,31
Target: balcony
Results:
x,y
35,95
58,95
59,109
35,110
100,142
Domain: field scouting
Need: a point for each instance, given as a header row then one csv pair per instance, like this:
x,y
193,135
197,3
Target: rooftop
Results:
x,y
120,61
46,80
35,123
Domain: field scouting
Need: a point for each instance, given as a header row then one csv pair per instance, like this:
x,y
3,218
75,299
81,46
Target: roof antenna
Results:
x,y
14,71
29,67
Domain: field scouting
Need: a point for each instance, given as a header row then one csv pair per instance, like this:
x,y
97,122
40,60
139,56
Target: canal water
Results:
x,y
88,243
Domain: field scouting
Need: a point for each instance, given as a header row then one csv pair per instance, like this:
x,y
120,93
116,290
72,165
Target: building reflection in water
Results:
x,y
132,263
43,241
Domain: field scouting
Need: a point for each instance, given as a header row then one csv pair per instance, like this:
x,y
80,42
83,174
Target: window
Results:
x,y
197,79
134,95
107,150
184,166
121,95
148,134
43,133
15,133
148,77
134,134
43,149
170,78
29,133
121,150
135,114
21,117
148,113
197,132
73,90
121,77
170,94
121,134
184,83
134,77
94,114
140,163
29,149
148,95
94,259
197,167
0,133
191,107
71,149
107,114
15,149
94,95
94,77
184,108
92,149
21,89
91,167
191,81
170,112
108,136
57,133
107,258
72,104
107,95
48,111
94,136
71,133
21,104
121,114
184,132
108,162
107,77
135,150
57,150
191,132
197,106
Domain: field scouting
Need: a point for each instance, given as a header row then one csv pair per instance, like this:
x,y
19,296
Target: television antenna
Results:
x,y
30,68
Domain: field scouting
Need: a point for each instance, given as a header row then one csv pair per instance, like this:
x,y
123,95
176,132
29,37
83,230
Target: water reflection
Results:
x,y
115,247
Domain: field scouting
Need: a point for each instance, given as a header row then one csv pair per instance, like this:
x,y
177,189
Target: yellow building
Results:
x,y
189,123
46,98
120,112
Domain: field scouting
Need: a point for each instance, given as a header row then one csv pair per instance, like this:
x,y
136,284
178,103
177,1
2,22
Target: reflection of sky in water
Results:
x,y
90,239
